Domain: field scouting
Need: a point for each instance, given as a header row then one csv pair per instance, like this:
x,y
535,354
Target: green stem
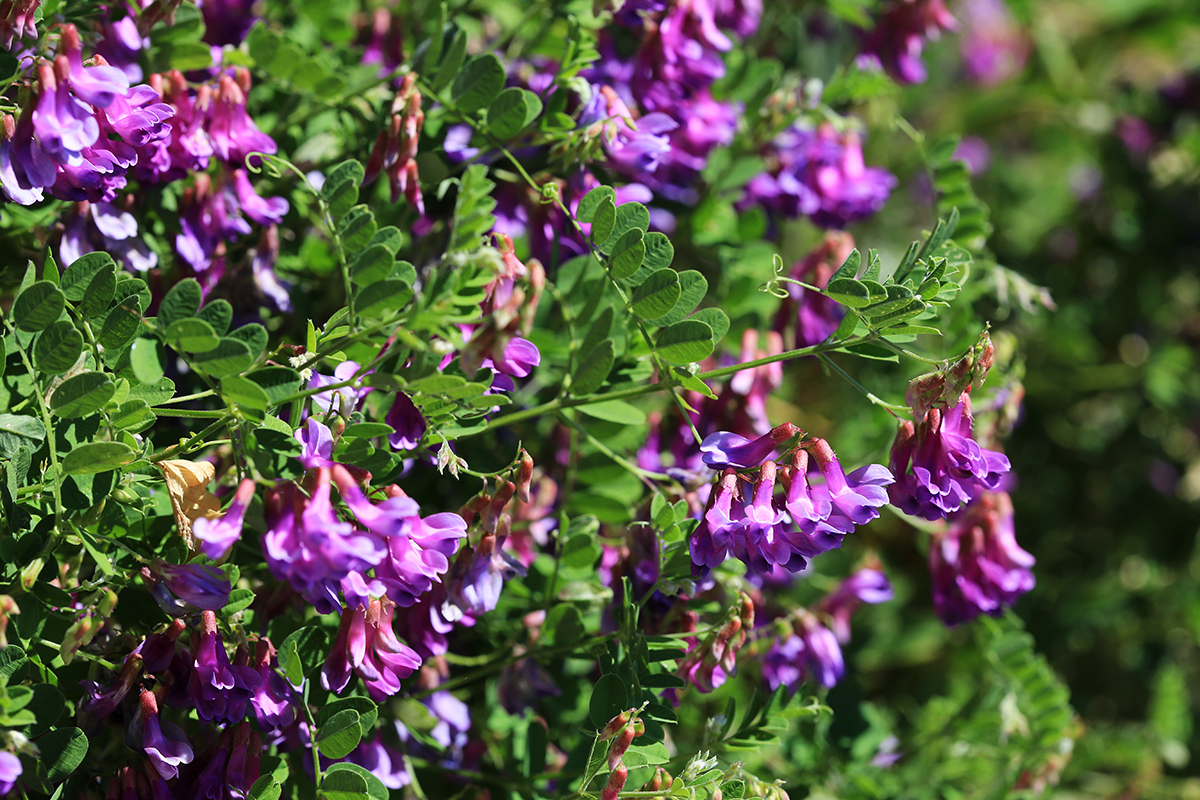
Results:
x,y
891,407
44,413
643,474
181,449
188,397
187,413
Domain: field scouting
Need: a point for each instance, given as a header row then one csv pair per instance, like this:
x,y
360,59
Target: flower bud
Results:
x,y
524,476
616,782
615,725
621,744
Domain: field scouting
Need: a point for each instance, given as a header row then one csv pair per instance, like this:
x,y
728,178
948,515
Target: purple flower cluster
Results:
x,y
939,467
219,689
813,649
765,530
819,174
976,563
367,644
899,37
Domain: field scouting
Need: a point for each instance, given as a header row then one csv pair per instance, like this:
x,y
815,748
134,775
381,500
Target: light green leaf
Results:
x,y
659,251
93,457
657,295
603,220
340,734
693,286
82,394
478,84
245,393
627,255
217,313
685,342
145,361
591,202
229,357
593,368
181,302
192,335
615,411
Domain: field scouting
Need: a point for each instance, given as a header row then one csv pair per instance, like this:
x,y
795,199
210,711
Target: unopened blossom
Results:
x,y
395,151
938,466
164,743
727,449
233,132
976,563
217,536
367,645
17,22
220,689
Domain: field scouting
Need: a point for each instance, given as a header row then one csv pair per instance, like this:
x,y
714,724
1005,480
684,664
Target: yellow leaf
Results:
x,y
187,485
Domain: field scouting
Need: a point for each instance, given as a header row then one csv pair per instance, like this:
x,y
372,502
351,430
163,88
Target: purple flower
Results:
x,y
811,317
234,134
273,701
104,226
99,85
726,449
10,771
221,690
478,575
408,425
900,34
344,399
382,761
164,743
711,540
227,21
867,585
17,22
197,585
308,546
426,623
263,210
451,731
994,48
855,498
948,467
634,146
366,644
976,563
812,651
121,45
22,179
217,536
316,441
64,124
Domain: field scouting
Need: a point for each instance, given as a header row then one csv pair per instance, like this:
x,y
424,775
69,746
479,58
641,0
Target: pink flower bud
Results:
x,y
616,782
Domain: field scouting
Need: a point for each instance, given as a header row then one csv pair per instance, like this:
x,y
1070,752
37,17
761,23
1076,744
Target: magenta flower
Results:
x,y
10,771
994,48
811,652
900,34
712,539
221,690
477,577
63,124
948,467
273,700
217,536
427,622
366,644
855,498
234,134
308,546
20,180
726,449
976,563
100,85
317,442
344,399
382,761
17,22
164,743
102,703
197,585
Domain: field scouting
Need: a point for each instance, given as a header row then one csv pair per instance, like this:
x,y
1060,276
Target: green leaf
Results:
x,y
219,314
627,255
245,392
133,416
591,202
692,288
341,187
58,348
239,599
615,411
849,292
122,322
93,457
478,84
733,790
192,335
229,357
82,394
372,265
344,785
367,711
593,368
265,788
849,267
609,698
38,306
78,277
659,251
47,706
145,361
340,734
16,431
685,342
629,216
98,295
603,220
277,382
385,298
646,755
253,335
656,295
181,302
564,624
390,237
357,228
375,788
367,430
62,751
452,62
512,111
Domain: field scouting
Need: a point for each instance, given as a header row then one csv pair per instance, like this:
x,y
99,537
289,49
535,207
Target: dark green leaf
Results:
x,y
685,342
344,785
367,430
512,111
82,394
656,295
478,84
229,357
245,393
603,220
593,368
133,416
627,255
609,698
357,228
93,457
77,277
239,599
372,265
849,267
219,314
62,751
693,286
277,382
629,216
253,335
340,734
367,711
192,335
385,298
58,348
181,302
375,788
340,190
38,306
122,321
17,430
849,292
47,706
659,251
98,295
453,60
592,200
390,237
